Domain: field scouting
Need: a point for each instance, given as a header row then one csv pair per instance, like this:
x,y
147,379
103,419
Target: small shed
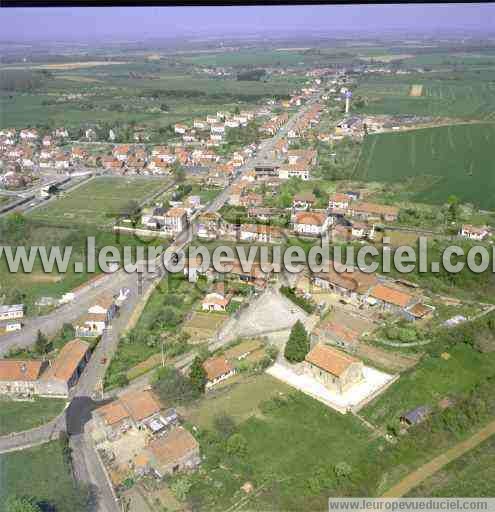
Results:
x,y
416,416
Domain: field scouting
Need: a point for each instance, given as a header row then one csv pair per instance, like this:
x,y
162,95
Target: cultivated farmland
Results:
x,y
455,160
471,97
99,201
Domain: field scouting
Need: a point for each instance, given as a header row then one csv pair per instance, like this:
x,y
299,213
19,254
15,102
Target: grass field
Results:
x,y
244,58
20,416
431,380
471,475
292,448
40,473
240,399
98,202
467,95
454,159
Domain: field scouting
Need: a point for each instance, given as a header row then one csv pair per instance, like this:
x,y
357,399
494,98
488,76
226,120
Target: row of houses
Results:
x,y
367,289
48,377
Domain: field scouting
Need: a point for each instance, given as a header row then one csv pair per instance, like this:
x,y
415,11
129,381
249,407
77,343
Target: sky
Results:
x,y
156,22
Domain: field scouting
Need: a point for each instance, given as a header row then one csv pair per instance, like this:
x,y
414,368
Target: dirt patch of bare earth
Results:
x,y
416,90
384,359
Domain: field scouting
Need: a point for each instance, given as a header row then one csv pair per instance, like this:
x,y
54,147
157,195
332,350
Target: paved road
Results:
x,y
430,468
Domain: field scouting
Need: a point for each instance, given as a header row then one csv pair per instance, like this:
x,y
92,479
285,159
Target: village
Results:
x,y
255,178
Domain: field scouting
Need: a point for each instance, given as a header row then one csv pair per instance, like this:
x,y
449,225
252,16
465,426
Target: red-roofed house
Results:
x,y
336,370
310,223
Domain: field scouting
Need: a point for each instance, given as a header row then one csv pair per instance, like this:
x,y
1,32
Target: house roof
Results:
x,y
13,370
175,212
391,295
216,367
340,331
216,299
330,359
113,412
354,280
105,300
310,218
90,317
173,447
140,404
420,310
67,360
305,197
372,208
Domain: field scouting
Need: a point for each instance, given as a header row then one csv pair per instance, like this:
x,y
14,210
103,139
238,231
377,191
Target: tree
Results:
x,y
454,207
297,345
197,375
16,504
131,209
224,424
172,386
41,345
237,445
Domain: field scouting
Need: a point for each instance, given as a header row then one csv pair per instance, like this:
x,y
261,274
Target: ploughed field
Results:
x,y
447,160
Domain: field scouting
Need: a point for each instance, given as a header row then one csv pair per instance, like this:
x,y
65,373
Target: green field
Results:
x,y
40,473
433,379
471,475
439,162
292,448
245,58
109,94
20,416
466,95
98,202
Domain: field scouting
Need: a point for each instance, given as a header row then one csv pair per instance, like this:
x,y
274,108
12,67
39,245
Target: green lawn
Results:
x,y
471,475
20,416
40,473
240,399
431,380
293,448
443,161
98,202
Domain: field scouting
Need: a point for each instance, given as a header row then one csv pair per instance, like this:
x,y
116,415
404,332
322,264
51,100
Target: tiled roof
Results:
x,y
173,447
11,370
140,404
67,361
216,367
330,359
391,295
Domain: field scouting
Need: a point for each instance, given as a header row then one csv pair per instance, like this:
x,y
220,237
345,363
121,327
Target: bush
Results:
x,y
224,424
237,445
304,304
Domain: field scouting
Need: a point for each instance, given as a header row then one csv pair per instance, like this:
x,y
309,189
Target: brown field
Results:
x,y
40,277
67,65
416,90
202,326
388,57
